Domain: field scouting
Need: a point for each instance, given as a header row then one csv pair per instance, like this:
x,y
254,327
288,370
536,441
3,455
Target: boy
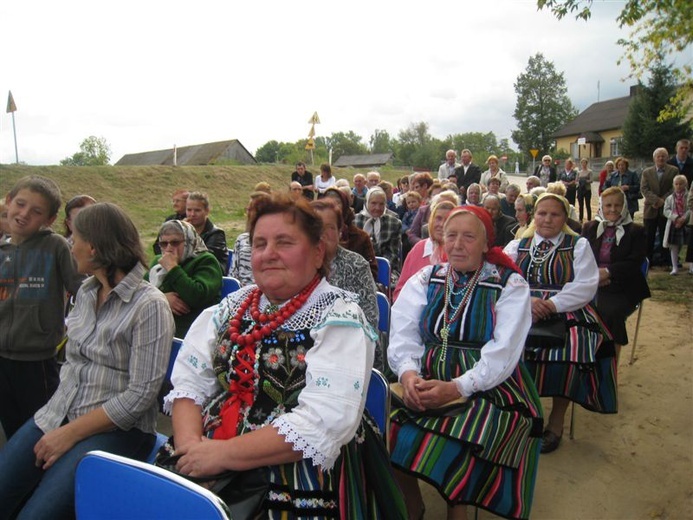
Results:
x,y
413,201
36,267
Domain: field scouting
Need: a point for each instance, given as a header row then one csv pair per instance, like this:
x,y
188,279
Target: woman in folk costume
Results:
x,y
580,365
457,333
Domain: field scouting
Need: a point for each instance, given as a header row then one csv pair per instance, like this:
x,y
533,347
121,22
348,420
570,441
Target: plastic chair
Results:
x,y
229,261
158,443
378,402
645,269
229,284
384,274
111,486
175,347
383,313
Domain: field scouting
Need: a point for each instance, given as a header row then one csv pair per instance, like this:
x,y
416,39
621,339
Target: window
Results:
x,y
615,146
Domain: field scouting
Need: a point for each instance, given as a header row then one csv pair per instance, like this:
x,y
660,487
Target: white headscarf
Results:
x,y
194,245
604,223
372,224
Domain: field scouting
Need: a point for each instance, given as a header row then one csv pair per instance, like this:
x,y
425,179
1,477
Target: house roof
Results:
x,y
605,115
374,159
195,155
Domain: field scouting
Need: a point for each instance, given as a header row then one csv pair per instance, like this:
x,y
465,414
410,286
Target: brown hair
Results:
x,y
43,186
78,201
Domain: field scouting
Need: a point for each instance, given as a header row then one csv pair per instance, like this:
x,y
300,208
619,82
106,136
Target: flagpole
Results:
x,y
14,130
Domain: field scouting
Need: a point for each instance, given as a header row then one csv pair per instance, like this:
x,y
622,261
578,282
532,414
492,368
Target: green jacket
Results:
x,y
198,283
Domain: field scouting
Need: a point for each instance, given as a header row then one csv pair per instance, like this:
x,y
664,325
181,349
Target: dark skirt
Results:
x,y
614,309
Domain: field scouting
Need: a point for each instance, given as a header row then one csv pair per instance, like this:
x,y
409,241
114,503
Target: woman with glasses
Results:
x,y
186,272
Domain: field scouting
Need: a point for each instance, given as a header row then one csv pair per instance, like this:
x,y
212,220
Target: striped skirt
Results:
x,y
360,485
583,368
487,455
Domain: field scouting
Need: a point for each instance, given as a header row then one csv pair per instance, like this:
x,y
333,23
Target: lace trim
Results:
x,y
300,444
181,394
311,314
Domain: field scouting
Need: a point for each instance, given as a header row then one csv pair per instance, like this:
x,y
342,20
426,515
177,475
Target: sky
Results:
x,y
148,74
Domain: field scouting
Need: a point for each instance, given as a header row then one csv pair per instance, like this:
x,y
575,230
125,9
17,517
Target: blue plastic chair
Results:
x,y
229,284
175,347
383,313
384,274
111,486
158,443
229,261
378,402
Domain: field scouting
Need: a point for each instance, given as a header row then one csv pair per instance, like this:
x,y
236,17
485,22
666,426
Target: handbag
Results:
x,y
450,409
547,333
243,492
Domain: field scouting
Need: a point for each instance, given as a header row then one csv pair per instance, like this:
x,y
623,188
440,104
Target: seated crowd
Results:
x,y
497,296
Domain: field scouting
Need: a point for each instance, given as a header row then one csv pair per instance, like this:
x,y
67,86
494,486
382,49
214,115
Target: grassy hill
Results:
x,y
145,191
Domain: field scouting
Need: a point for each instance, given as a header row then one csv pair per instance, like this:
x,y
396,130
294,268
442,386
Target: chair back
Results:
x,y
229,284
175,347
383,313
383,272
111,486
229,261
378,402
645,267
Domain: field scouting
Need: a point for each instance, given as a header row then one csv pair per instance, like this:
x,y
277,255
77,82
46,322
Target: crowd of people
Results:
x,y
501,296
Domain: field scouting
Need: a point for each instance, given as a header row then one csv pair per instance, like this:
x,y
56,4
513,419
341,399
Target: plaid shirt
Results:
x,y
390,241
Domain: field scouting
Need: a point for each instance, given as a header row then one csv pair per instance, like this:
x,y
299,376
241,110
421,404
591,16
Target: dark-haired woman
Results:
x,y
120,333
276,377
72,208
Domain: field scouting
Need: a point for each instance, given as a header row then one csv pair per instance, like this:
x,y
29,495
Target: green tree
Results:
x,y
381,142
542,106
642,131
479,143
268,152
417,148
93,151
658,28
345,143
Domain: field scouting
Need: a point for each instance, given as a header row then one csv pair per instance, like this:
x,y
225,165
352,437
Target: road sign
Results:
x,y
534,152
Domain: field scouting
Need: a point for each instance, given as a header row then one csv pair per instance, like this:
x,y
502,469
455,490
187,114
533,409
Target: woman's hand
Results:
x,y
604,277
410,379
679,222
168,260
434,393
542,309
204,458
178,306
182,443
53,445
625,187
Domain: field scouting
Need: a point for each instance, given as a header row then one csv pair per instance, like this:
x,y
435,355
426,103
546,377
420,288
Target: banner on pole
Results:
x,y
11,106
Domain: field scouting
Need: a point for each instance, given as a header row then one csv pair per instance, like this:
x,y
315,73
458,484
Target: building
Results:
x,y
374,160
195,155
597,132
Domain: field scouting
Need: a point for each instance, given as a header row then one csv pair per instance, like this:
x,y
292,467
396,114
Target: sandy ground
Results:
x,y
637,464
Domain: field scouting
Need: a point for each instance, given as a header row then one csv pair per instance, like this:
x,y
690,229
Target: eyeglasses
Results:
x,y
163,244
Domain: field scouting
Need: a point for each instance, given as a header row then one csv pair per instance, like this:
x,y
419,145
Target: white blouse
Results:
x,y
338,368
578,293
499,356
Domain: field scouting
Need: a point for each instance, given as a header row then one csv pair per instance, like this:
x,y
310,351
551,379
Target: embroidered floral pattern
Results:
x,y
298,357
322,381
273,358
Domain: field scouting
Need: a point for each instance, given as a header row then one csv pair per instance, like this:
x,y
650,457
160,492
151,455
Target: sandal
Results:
x,y
550,441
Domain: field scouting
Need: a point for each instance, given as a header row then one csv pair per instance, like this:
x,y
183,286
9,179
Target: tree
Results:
x,y
268,152
478,143
380,142
347,143
659,28
642,132
416,147
94,151
542,107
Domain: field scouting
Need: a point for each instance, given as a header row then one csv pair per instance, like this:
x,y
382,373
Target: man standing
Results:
x,y
656,184
304,178
467,173
682,161
448,167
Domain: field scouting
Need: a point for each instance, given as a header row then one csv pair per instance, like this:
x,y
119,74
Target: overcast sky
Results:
x,y
149,74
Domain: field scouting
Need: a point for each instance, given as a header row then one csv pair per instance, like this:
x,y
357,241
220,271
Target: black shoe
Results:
x,y
550,441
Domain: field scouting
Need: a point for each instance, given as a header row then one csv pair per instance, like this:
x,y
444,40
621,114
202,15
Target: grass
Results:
x,y
144,192
674,289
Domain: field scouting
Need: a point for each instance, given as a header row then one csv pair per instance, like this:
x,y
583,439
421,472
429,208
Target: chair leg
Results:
x,y
635,338
572,421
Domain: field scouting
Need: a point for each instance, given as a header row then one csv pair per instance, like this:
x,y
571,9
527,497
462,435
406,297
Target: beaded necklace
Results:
x,y
537,258
448,319
246,354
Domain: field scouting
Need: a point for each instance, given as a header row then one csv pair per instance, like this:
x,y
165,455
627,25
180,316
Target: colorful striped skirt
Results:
x,y
361,485
487,455
583,368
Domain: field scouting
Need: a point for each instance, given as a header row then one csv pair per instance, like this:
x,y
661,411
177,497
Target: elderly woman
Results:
x,y
430,250
385,230
276,377
116,355
350,236
473,195
187,274
580,363
416,231
458,332
628,181
524,209
609,168
620,248
197,209
545,171
494,170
